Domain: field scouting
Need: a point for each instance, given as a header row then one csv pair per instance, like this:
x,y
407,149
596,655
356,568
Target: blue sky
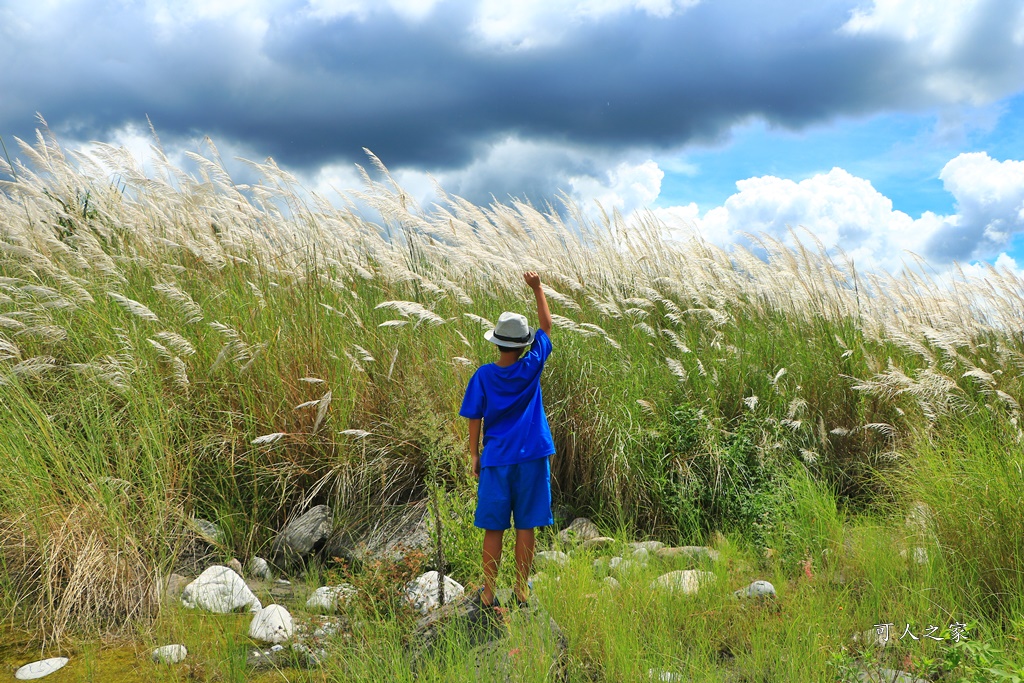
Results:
x,y
900,152
882,126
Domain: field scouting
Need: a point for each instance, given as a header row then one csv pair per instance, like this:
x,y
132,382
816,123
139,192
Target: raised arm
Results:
x,y
543,313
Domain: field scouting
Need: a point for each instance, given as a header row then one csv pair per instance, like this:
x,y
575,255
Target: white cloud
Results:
x,y
932,25
953,42
528,24
627,187
410,10
846,212
990,205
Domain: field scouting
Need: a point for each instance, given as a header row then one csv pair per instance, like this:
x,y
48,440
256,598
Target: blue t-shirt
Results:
x,y
510,403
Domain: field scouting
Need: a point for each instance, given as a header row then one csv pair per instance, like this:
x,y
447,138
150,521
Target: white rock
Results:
x,y
757,589
272,624
44,667
686,581
622,566
664,676
649,546
611,582
327,598
581,529
423,592
641,555
599,542
258,567
218,589
548,557
170,654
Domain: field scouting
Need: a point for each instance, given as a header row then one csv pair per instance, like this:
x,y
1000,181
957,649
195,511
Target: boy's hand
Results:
x,y
532,279
476,466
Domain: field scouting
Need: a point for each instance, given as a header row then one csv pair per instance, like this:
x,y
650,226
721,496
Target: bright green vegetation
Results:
x,y
152,330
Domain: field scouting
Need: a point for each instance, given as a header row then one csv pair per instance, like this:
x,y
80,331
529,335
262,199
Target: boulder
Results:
x,y
272,624
598,543
220,590
611,583
234,565
687,581
581,529
169,654
693,552
757,589
43,667
328,598
394,532
302,535
423,594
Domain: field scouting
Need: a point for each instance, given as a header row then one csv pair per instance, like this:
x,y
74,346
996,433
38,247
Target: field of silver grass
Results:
x,y
175,344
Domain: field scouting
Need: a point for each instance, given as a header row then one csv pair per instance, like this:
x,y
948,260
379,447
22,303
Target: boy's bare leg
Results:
x,y
525,544
492,559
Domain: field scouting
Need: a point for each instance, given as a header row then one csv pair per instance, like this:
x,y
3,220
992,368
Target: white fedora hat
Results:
x,y
511,331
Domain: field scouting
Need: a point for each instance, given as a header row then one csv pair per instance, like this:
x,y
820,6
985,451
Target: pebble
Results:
x,y
757,589
169,654
43,667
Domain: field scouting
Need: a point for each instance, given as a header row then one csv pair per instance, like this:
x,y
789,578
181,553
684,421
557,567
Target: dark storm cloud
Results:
x,y
431,94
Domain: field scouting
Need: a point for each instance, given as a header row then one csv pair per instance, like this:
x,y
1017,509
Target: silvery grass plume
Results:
x,y
412,309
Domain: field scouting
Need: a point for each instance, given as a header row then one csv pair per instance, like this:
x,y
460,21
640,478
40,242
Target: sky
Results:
x,y
881,126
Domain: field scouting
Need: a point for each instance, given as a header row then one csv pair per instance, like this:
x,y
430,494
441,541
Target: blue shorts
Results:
x,y
521,491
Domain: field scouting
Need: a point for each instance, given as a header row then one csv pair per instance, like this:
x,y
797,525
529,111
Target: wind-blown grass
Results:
x,y
176,345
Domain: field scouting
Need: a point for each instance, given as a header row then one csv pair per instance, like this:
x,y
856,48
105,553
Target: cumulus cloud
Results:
x,y
990,206
846,212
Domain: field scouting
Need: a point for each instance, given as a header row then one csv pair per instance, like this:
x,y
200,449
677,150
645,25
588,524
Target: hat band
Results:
x,y
512,340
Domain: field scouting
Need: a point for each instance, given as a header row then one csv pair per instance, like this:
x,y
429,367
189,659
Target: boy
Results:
x,y
514,470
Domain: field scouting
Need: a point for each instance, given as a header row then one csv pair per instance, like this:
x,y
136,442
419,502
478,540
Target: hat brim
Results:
x,y
489,336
